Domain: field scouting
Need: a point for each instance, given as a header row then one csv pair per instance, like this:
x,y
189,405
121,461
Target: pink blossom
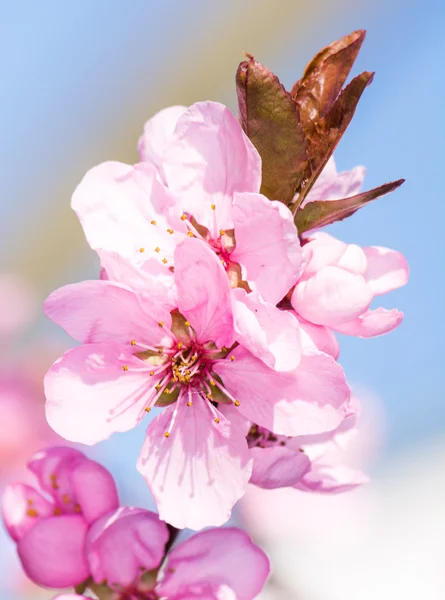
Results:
x,y
185,351
339,282
201,178
310,463
332,185
50,524
126,548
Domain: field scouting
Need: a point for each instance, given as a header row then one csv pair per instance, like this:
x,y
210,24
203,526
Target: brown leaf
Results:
x,y
353,41
324,136
320,213
324,77
270,118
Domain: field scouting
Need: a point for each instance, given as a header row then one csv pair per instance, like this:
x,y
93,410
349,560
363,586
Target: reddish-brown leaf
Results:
x,y
320,213
270,118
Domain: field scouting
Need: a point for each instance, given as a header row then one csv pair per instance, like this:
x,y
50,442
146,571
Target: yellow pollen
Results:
x,y
189,403
77,508
161,323
165,261
222,232
190,234
166,434
54,484
57,511
183,217
124,367
187,323
157,249
213,206
167,391
180,345
209,396
153,222
212,382
31,512
237,403
133,342
147,408
157,387
65,499
151,373
216,420
232,358
170,231
141,250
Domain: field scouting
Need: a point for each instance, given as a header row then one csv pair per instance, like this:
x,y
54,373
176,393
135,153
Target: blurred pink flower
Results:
x,y
332,185
126,548
148,348
50,524
311,463
340,280
200,178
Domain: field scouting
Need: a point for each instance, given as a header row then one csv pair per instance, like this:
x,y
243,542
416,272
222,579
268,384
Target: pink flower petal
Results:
x,y
317,337
270,334
104,311
22,506
331,479
94,488
386,269
116,205
332,185
71,597
218,557
372,323
121,544
209,159
205,464
203,293
90,396
52,552
265,237
311,399
331,297
158,134
278,466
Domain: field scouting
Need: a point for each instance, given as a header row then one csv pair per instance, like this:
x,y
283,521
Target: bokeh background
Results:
x,y
79,78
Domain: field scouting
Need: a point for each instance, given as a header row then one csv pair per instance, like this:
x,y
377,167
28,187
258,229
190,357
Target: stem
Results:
x,y
171,540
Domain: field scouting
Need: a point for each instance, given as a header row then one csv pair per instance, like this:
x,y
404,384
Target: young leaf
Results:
x,y
320,213
270,118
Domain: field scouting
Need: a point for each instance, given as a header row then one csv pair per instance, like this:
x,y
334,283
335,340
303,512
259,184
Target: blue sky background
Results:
x,y
70,67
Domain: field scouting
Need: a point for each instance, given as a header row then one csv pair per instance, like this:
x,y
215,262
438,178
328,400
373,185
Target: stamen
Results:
x,y
224,390
141,250
54,483
222,232
157,249
170,231
147,409
233,357
65,499
213,206
183,217
31,512
174,416
153,222
165,261
124,367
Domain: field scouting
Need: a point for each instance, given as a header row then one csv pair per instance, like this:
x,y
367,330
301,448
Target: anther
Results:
x,y
222,232
216,420
165,261
147,408
151,373
124,367
180,345
157,249
183,217
141,250
209,395
232,358
212,382
158,387
237,403
189,403
161,323
170,231
186,323
31,512
153,222
65,499
77,508
160,351
133,342
166,434
213,206
190,234
57,511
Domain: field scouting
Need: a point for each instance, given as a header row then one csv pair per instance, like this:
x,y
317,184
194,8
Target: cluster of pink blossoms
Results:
x,y
212,307
72,532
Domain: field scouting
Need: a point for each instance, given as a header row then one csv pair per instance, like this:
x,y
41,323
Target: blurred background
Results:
x,y
79,79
